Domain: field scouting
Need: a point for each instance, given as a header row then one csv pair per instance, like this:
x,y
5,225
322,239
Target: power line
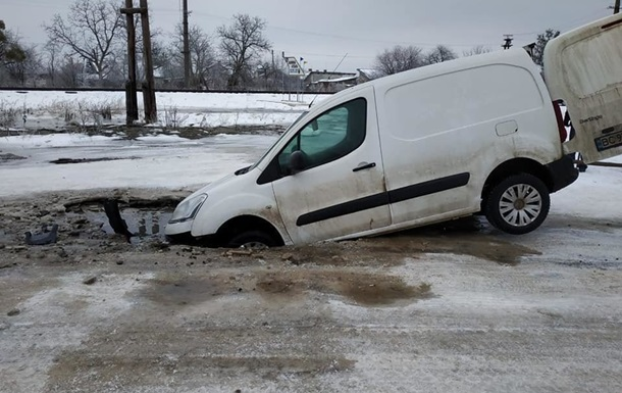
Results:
x,y
328,54
335,36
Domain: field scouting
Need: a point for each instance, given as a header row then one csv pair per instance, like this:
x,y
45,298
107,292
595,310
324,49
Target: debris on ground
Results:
x,y
90,281
43,238
239,253
117,223
10,157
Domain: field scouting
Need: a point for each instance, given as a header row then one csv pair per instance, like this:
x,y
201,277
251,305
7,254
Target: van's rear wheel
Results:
x,y
518,204
252,239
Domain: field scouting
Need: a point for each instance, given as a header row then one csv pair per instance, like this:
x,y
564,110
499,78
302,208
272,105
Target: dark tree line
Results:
x,y
87,47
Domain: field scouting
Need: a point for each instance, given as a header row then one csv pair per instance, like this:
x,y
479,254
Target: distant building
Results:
x,y
333,82
368,74
329,82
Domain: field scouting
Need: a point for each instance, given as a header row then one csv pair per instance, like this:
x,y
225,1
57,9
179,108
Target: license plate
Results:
x,y
609,141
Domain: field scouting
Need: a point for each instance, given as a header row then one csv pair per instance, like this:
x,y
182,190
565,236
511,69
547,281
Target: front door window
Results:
x,y
332,135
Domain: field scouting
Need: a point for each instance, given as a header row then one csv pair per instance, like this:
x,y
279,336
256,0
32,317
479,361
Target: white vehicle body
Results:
x,y
584,68
415,148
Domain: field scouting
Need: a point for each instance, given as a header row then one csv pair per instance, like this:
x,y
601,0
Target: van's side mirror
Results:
x,y
314,125
297,162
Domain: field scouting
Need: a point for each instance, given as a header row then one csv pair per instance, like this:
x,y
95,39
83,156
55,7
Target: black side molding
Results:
x,y
385,198
342,209
429,187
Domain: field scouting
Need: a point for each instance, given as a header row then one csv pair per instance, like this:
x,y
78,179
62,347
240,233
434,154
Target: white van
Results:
x,y
478,134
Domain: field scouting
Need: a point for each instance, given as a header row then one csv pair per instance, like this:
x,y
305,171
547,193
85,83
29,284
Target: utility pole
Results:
x,y
151,111
508,38
148,87
616,7
131,99
187,60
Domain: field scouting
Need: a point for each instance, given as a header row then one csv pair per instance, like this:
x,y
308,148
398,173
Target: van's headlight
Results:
x,y
188,209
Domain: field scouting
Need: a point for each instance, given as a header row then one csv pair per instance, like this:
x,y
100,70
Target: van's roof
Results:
x,y
516,56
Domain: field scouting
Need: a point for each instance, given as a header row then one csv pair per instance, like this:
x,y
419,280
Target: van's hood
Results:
x,y
214,185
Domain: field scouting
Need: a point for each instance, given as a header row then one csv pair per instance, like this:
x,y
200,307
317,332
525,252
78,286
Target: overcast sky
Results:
x,y
324,31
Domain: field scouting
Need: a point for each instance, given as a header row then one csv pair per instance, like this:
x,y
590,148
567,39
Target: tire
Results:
x,y
252,239
518,205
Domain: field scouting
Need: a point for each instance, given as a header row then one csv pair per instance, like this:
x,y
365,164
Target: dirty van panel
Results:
x,y
584,68
338,189
456,129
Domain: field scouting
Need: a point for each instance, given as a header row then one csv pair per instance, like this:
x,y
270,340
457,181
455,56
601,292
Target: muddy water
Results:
x,y
358,288
470,236
143,223
188,291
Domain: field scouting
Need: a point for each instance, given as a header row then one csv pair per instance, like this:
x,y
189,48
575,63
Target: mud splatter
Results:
x,y
466,237
364,289
187,291
81,368
360,288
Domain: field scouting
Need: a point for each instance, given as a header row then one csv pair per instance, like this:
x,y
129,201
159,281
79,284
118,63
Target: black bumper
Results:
x,y
562,172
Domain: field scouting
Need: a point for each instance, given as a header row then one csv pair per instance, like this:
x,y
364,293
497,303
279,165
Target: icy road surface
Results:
x,y
454,308
153,162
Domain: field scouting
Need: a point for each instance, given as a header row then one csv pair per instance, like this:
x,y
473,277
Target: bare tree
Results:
x,y
50,59
241,43
399,59
91,32
538,49
476,50
202,56
69,73
440,54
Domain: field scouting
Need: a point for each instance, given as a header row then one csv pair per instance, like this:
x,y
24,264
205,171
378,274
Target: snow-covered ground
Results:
x,y
58,110
160,161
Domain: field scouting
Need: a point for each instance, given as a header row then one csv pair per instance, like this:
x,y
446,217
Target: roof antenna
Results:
x,y
342,59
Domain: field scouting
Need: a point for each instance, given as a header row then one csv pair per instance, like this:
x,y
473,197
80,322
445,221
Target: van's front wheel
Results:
x,y
252,239
518,204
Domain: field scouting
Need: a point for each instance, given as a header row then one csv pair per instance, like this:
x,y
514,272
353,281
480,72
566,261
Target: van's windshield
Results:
x,y
267,153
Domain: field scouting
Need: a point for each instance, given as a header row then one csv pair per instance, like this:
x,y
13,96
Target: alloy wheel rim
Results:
x,y
254,245
520,205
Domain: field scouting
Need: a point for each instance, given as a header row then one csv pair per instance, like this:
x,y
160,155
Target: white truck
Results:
x,y
477,134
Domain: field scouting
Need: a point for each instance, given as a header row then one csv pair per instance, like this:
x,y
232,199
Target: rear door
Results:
x,y
584,68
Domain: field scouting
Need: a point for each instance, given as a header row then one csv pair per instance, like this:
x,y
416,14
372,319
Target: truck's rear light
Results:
x,y
563,134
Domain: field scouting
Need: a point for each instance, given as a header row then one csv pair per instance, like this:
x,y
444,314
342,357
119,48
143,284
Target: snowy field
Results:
x,y
60,110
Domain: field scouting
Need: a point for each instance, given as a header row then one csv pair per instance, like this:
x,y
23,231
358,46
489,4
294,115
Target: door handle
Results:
x,y
363,165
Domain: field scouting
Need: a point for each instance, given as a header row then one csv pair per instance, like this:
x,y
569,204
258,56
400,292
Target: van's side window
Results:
x,y
330,136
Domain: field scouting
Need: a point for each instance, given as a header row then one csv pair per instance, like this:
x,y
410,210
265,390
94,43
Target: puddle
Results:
x,y
142,223
359,288
468,237
188,291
